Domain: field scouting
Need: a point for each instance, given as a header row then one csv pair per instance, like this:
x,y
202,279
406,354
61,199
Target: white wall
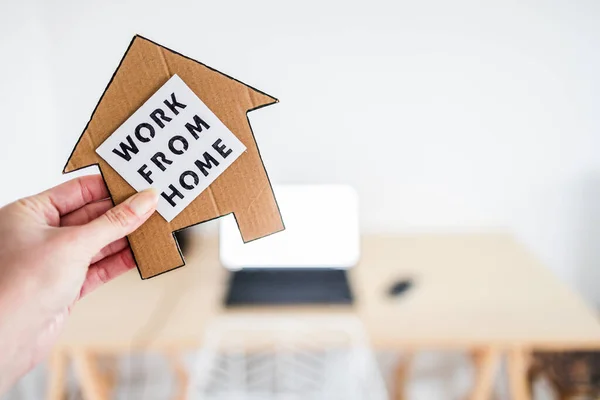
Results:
x,y
29,152
444,115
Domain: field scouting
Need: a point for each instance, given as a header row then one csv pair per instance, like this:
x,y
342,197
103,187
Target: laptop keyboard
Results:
x,y
288,286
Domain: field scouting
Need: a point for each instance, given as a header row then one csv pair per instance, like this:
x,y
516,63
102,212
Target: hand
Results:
x,y
54,248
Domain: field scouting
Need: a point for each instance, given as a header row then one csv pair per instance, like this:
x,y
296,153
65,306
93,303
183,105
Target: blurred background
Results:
x,y
445,116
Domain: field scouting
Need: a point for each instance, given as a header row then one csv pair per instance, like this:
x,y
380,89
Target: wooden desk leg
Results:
x,y
111,375
485,362
518,370
401,375
57,375
93,384
181,376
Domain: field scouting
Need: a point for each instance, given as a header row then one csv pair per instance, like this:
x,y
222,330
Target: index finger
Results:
x,y
76,193
107,269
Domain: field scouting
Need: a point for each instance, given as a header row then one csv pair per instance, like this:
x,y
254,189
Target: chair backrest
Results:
x,y
269,357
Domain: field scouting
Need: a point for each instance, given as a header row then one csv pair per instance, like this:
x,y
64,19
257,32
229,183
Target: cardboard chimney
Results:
x,y
242,189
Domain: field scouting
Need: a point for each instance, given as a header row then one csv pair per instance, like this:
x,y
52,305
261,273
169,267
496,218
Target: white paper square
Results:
x,y
190,137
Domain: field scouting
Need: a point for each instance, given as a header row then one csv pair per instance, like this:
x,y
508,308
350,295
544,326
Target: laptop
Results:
x,y
307,263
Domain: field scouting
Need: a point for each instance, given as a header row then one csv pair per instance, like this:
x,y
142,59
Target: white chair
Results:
x,y
273,358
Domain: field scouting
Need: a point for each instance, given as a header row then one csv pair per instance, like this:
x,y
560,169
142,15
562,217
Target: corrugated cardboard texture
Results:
x,y
243,189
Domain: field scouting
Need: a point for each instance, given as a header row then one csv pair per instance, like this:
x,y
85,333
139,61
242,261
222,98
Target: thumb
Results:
x,y
120,220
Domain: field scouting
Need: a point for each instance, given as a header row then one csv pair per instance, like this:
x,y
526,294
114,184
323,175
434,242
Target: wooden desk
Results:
x,y
482,293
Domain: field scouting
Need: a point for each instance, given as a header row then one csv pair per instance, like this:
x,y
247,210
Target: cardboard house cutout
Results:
x,y
243,189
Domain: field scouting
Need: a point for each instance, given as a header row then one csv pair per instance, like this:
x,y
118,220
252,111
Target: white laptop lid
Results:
x,y
321,231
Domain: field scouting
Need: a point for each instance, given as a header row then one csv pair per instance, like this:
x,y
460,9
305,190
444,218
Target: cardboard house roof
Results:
x,y
243,189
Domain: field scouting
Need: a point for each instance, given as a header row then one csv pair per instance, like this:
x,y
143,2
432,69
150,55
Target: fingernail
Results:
x,y
144,202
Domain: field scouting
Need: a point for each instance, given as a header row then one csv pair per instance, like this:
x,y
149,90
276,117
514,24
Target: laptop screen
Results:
x,y
321,231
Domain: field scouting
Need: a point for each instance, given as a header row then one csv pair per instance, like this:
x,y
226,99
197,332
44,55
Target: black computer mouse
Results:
x,y
400,287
